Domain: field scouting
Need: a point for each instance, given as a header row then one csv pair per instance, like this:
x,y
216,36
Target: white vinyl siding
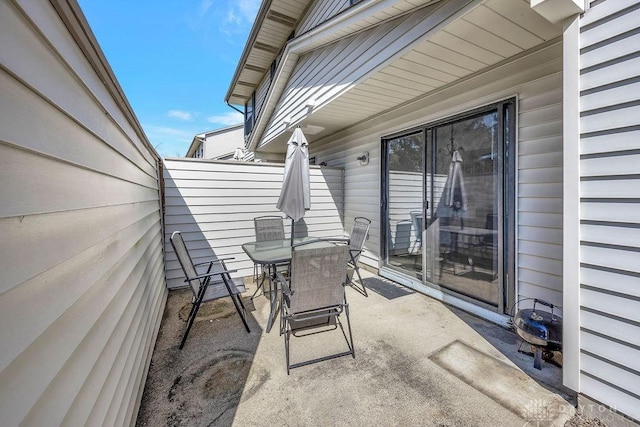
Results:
x,y
610,205
328,72
82,288
536,80
261,94
213,204
320,12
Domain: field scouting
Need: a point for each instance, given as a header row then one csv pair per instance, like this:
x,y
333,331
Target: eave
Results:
x,y
274,23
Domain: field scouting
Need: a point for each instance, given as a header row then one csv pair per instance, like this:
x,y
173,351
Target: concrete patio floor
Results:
x,y
418,363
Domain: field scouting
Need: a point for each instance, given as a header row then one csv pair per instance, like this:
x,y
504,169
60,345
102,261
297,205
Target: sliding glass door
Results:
x,y
448,203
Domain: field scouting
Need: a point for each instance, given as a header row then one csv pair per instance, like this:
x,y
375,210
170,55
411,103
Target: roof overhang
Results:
x,y
460,46
274,23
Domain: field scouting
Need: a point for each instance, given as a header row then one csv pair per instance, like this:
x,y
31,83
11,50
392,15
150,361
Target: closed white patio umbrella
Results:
x,y
295,197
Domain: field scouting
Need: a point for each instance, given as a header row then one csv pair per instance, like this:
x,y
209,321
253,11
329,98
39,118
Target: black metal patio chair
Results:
x,y
356,244
267,228
214,283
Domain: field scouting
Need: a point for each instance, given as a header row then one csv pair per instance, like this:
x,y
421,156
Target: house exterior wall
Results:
x,y
323,74
319,12
82,286
213,204
609,234
223,144
536,79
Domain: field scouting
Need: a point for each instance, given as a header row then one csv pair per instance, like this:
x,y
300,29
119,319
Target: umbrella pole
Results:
x,y
292,230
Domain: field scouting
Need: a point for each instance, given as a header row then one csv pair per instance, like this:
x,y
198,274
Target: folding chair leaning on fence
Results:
x,y
214,283
356,243
313,297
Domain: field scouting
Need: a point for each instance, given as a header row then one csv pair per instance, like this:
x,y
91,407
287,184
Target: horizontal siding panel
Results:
x,y
611,304
540,234
540,205
540,161
540,249
609,234
616,118
548,265
540,290
622,259
608,189
610,142
603,10
26,113
540,278
601,369
611,281
610,212
611,350
543,175
610,396
45,251
613,329
615,72
47,185
544,190
626,45
540,220
620,93
610,166
79,273
550,144
616,26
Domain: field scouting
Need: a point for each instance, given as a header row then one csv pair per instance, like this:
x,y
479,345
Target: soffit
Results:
x,y
271,35
274,24
489,34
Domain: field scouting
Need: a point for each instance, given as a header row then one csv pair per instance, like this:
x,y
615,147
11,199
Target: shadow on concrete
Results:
x,y
508,343
202,384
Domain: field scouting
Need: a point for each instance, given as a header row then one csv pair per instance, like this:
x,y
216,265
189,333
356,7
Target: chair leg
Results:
x,y
364,288
286,349
260,285
192,317
351,346
235,303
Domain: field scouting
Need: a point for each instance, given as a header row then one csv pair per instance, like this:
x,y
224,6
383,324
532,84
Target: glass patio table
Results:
x,y
272,253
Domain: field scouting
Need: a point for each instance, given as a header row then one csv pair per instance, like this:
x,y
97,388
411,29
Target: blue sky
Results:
x,y
174,61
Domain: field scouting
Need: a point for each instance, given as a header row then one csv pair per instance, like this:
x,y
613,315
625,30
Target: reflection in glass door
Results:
x,y
447,197
405,190
464,230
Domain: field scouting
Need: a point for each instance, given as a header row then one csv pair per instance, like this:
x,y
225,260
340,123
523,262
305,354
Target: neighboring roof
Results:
x,y
273,25
202,137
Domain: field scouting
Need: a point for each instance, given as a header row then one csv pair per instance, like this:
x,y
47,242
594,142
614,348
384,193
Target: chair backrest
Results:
x,y
269,228
416,219
185,261
358,236
318,273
